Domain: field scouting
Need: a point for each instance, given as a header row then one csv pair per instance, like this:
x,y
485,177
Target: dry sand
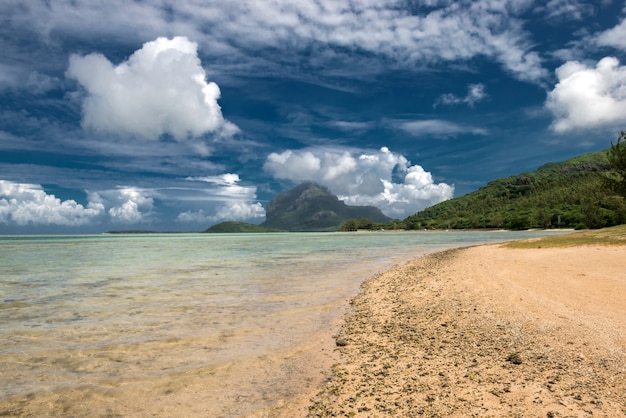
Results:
x,y
486,332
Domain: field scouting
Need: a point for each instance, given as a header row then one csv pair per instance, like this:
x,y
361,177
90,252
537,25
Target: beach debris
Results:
x,y
341,342
514,358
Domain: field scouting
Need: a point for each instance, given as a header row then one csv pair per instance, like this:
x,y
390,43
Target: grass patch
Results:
x,y
607,236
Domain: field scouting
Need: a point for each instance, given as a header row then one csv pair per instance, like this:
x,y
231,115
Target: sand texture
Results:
x,y
486,332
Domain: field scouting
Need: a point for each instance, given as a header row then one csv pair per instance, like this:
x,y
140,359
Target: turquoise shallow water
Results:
x,y
82,312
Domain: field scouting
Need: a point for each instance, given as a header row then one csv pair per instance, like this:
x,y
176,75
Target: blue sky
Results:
x,y
178,115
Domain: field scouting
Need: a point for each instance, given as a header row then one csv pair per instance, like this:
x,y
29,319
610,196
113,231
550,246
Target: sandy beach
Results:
x,y
486,331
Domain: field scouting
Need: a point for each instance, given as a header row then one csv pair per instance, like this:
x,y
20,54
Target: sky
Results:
x,y
176,115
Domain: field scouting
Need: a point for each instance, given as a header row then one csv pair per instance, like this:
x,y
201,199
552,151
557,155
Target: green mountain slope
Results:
x,y
568,194
311,207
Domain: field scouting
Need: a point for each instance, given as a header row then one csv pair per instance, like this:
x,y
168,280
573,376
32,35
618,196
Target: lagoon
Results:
x,y
184,324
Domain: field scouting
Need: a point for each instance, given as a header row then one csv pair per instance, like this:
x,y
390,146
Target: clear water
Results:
x,y
85,313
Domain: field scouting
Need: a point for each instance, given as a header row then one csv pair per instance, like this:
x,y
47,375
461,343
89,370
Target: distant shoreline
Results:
x,y
139,231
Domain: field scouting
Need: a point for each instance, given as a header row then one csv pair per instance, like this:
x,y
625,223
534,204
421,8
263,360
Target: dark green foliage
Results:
x,y
232,227
365,223
616,180
356,224
349,225
570,194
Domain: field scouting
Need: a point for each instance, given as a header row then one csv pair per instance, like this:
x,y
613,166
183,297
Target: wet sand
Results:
x,y
486,332
273,383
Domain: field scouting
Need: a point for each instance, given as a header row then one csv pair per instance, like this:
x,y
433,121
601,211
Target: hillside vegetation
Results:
x,y
570,194
238,227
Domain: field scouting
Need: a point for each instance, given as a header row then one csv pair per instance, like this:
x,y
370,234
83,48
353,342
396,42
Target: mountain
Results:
x,y
569,194
311,207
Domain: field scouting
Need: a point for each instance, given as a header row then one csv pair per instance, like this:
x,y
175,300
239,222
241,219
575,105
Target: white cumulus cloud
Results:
x,y
24,204
380,178
127,205
294,165
223,200
588,97
160,89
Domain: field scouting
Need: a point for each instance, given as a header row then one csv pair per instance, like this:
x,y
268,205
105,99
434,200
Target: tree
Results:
x,y
349,225
365,223
543,218
616,179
